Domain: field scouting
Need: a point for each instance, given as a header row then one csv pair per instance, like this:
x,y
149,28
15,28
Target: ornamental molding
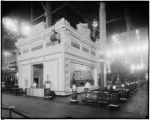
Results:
x,y
60,26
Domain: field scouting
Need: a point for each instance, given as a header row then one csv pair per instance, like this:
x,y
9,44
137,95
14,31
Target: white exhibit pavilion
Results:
x,y
73,56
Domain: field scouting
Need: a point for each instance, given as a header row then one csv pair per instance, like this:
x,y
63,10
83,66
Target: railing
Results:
x,y
11,110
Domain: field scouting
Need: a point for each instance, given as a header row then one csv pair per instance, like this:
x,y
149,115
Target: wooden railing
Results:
x,y
11,110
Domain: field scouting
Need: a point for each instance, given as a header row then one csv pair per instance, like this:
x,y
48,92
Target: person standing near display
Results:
x,y
87,86
47,90
87,89
74,98
48,84
34,85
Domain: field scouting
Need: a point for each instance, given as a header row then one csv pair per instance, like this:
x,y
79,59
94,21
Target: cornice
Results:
x,y
60,26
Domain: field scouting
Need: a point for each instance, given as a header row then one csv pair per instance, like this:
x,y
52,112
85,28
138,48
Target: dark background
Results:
x,y
138,10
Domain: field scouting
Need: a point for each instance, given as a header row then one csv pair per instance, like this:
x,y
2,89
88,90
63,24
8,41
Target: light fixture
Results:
x,y
10,24
138,48
17,74
95,23
115,39
122,85
120,51
138,67
6,53
114,87
25,29
108,53
74,88
132,68
144,47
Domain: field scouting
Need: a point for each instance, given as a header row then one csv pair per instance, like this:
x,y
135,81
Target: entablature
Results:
x,y
42,39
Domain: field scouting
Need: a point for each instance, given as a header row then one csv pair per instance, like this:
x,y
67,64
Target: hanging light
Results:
x,y
114,87
108,53
25,29
138,48
122,85
6,53
10,24
132,68
95,23
120,51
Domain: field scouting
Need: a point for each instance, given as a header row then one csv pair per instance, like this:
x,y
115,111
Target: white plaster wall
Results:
x,y
71,59
25,76
20,71
51,73
77,56
67,73
60,75
52,66
56,63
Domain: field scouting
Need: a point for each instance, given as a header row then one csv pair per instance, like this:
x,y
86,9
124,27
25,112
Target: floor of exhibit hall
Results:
x,y
135,107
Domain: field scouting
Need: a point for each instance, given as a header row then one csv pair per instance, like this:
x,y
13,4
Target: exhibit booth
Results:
x,y
60,54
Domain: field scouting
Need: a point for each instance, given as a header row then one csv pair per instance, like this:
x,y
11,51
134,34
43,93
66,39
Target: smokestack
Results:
x,y
102,32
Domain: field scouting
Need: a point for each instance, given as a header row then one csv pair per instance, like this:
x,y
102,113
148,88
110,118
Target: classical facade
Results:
x,y
60,54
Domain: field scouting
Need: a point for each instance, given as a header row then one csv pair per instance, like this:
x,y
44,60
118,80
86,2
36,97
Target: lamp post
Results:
x,y
102,45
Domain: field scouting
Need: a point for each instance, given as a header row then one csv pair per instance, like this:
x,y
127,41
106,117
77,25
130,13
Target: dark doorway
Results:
x,y
38,75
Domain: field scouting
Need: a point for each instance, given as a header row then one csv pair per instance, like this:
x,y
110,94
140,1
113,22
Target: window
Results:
x,y
76,45
93,53
38,75
50,44
37,47
85,49
25,51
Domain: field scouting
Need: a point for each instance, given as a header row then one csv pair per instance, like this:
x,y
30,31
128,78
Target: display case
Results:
x,y
81,77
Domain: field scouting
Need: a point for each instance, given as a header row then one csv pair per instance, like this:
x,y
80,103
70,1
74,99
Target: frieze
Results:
x,y
82,40
37,47
60,26
80,61
36,39
82,56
